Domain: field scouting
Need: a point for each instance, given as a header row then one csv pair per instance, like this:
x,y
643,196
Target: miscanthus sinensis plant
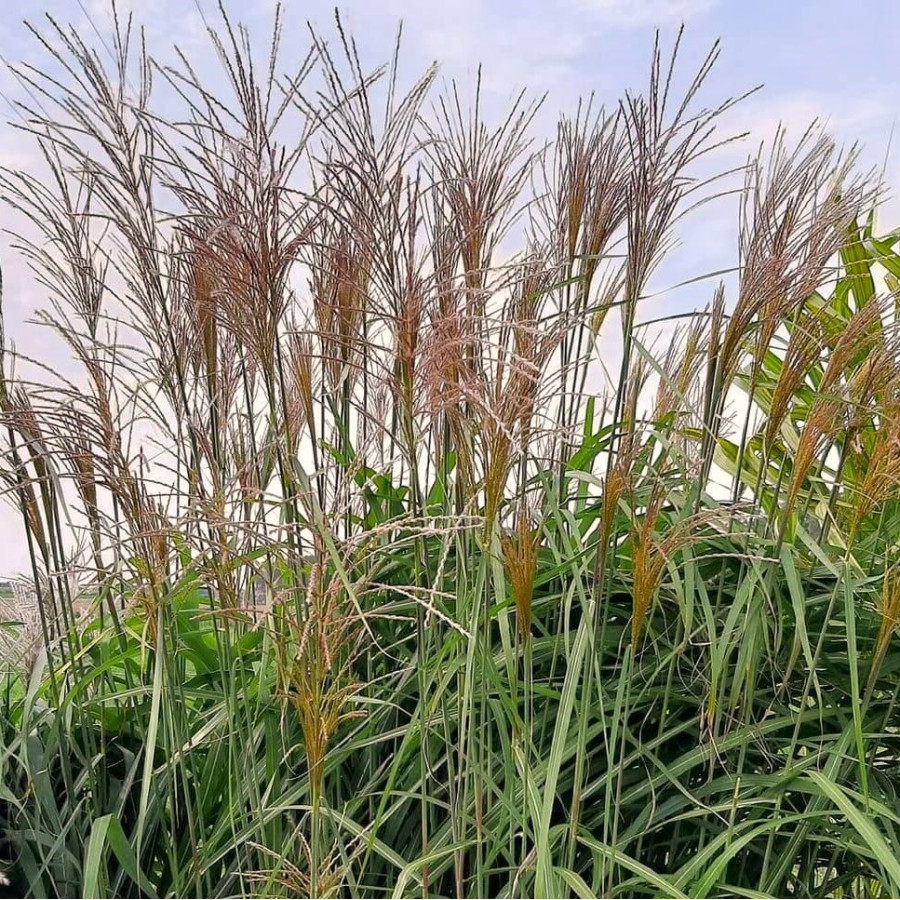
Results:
x,y
378,553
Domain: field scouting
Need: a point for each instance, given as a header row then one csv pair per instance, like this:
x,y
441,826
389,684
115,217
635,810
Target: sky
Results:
x,y
812,59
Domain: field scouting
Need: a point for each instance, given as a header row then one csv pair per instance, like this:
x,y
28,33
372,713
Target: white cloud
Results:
x,y
641,13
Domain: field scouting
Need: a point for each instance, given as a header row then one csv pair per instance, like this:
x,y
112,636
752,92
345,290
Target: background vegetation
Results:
x,y
395,590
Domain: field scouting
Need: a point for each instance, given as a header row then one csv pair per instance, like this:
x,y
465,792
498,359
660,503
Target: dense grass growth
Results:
x,y
412,569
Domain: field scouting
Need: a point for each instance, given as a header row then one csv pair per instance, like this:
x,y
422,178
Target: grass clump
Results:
x,y
359,576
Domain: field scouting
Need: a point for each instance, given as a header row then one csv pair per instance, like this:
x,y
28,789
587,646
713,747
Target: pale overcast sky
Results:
x,y
815,59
